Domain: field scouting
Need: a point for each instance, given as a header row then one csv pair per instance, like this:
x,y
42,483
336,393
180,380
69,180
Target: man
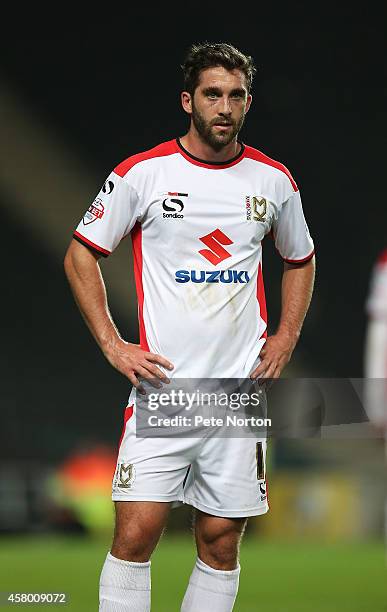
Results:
x,y
197,209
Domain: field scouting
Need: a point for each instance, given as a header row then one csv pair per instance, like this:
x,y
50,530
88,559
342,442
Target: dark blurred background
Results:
x,y
81,92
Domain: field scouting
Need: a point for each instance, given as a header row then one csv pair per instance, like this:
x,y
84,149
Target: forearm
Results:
x,y
297,288
87,285
85,278
296,294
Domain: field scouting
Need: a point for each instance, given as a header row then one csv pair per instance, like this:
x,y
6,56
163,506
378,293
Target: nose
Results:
x,y
225,106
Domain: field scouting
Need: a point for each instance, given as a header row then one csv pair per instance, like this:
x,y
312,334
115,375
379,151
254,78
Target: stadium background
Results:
x,y
78,95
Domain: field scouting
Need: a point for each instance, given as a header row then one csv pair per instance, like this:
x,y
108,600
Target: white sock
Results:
x,y
211,589
124,586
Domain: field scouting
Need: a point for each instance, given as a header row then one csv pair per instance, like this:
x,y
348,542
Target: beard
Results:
x,y
216,140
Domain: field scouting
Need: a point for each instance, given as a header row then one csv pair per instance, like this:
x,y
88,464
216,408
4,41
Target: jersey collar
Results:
x,y
208,164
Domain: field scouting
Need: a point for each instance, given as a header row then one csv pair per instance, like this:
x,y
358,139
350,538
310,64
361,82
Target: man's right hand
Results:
x,y
133,362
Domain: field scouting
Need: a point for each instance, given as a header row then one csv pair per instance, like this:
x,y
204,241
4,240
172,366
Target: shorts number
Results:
x,y
260,462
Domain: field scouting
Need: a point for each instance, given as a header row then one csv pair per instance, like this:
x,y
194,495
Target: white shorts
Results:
x,y
221,476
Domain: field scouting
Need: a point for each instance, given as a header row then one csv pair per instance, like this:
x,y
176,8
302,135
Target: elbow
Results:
x,y
68,262
78,260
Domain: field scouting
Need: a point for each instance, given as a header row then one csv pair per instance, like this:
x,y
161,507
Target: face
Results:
x,y
218,106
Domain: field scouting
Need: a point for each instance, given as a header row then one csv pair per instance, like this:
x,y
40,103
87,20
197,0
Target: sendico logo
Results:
x,y
173,206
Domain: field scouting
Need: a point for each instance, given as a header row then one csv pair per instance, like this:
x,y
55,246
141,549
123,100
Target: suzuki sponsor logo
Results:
x,y
215,252
215,276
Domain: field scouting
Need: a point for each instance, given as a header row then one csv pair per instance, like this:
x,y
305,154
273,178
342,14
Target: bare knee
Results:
x,y
218,541
133,544
138,528
220,552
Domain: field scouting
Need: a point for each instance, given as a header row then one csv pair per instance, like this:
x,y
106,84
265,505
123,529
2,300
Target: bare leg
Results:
x,y
125,578
215,578
139,526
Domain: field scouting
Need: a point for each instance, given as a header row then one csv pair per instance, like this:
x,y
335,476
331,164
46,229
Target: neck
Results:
x,y
193,143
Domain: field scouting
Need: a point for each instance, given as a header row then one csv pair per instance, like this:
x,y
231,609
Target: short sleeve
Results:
x,y
377,299
291,233
110,217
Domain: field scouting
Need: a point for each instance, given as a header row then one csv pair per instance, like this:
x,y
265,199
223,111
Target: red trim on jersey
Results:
x,y
208,164
267,489
127,415
136,235
165,148
299,261
261,298
252,153
92,244
382,259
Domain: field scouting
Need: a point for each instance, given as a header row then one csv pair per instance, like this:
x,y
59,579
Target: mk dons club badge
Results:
x,y
125,475
256,208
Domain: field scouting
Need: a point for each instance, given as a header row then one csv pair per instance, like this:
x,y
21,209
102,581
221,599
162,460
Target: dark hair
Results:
x,y
208,55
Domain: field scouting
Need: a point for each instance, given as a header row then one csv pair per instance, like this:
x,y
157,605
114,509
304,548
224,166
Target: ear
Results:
x,y
186,102
248,102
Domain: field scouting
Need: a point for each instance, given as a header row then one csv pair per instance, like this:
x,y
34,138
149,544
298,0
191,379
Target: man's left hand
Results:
x,y
275,354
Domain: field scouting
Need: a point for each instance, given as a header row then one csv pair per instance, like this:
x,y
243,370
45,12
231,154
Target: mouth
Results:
x,y
223,125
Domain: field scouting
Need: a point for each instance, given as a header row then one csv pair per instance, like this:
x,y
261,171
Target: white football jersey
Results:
x,y
197,229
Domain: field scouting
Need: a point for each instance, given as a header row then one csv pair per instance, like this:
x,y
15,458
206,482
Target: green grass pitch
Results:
x,y
276,577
